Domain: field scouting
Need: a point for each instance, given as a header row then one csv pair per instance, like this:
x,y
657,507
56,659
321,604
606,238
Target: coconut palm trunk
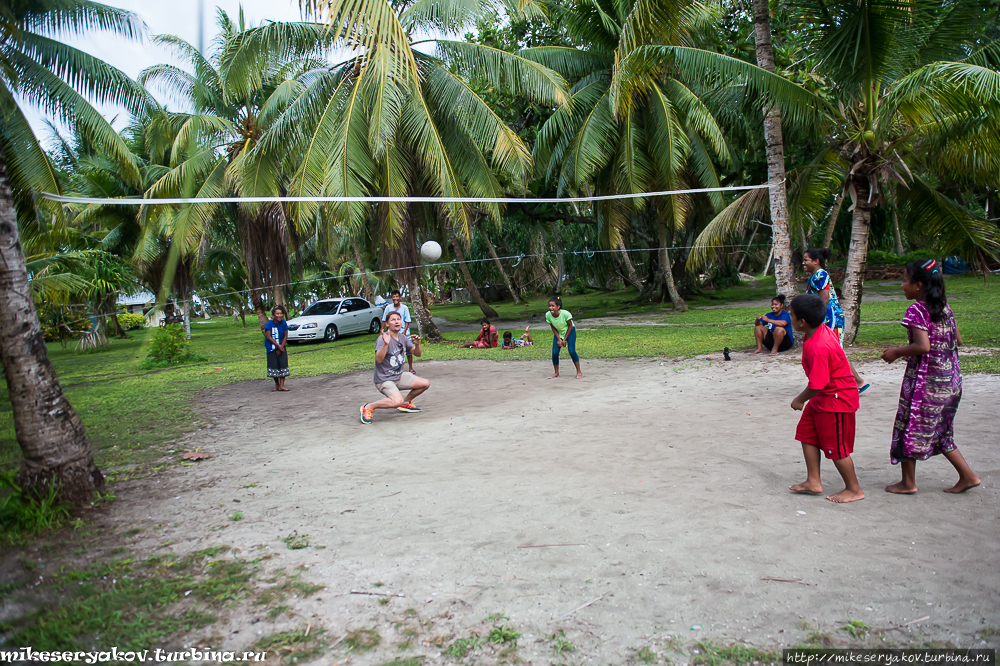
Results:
x,y
489,312
665,268
784,269
856,258
496,260
52,438
560,260
834,214
365,285
630,273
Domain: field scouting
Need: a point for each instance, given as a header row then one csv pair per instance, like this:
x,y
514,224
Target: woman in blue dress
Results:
x,y
819,283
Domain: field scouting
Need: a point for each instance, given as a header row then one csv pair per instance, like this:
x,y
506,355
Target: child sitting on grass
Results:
x,y
510,343
827,423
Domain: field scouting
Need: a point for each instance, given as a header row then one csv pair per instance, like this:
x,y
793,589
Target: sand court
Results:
x,y
657,490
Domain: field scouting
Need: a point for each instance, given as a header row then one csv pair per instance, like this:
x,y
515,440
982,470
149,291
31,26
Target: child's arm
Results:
x,y
555,332
921,345
802,398
958,336
284,338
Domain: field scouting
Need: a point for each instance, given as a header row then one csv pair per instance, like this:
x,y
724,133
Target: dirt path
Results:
x,y
656,490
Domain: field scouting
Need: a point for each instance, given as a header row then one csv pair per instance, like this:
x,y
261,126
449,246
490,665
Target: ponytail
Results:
x,y
820,254
927,273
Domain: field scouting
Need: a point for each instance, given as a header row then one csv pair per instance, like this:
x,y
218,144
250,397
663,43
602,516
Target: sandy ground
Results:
x,y
655,489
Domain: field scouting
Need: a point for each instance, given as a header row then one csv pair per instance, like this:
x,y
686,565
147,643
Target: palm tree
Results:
x,y
237,92
627,133
39,69
784,270
915,99
394,121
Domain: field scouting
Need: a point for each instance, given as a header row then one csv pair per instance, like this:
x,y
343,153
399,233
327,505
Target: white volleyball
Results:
x,y
430,251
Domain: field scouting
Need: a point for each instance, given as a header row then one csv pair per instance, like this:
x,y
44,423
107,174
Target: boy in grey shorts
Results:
x,y
391,349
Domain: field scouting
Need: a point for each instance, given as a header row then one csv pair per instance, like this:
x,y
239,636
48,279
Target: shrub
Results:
x,y
169,347
132,322
60,323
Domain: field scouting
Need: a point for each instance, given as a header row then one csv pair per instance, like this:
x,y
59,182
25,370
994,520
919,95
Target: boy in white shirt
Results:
x,y
399,308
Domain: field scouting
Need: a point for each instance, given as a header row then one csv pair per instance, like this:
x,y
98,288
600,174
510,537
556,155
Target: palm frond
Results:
x,y
734,221
507,71
954,228
798,106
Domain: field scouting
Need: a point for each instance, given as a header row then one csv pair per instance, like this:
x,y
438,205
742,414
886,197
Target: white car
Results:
x,y
330,319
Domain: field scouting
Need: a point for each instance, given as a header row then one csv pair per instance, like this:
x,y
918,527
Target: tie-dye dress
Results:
x,y
932,389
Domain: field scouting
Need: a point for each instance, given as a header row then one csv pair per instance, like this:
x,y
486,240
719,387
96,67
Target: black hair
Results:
x,y
556,300
394,313
507,334
809,307
820,254
780,298
926,272
484,321
394,292
279,307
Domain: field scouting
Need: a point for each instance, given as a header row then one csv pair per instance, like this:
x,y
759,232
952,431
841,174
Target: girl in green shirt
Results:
x,y
564,335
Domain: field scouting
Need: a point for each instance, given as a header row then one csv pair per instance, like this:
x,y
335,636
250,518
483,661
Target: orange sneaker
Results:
x,y
366,414
408,407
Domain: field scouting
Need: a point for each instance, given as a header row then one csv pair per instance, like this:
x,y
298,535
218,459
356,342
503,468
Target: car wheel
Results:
x,y
376,325
331,333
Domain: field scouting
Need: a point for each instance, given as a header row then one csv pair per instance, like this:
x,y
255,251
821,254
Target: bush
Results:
x,y
877,257
169,347
61,324
132,322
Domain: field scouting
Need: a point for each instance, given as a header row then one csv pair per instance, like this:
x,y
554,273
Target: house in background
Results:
x,y
141,303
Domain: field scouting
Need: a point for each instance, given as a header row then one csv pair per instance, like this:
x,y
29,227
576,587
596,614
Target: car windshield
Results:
x,y
321,308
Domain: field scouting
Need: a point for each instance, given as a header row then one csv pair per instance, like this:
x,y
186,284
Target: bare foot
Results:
x,y
845,496
274,389
900,488
963,485
759,350
554,376
284,389
809,488
579,375
774,353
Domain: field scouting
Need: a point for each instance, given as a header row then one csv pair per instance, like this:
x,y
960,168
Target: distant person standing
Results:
x,y
390,380
563,335
404,315
275,337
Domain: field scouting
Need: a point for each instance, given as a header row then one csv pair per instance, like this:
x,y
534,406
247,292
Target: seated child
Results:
x,y
510,343
487,339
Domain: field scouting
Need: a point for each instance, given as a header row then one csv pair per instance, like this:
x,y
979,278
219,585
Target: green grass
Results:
x,y
710,654
130,603
132,416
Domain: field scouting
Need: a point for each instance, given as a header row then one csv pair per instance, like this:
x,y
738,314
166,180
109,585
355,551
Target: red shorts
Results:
x,y
830,432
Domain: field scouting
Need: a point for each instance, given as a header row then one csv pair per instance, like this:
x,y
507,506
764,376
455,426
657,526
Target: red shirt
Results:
x,y
491,337
827,368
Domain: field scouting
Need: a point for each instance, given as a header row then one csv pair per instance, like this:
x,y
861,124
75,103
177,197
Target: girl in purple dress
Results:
x,y
932,385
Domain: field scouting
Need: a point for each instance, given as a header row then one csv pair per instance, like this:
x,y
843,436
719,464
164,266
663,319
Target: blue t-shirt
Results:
x,y
277,332
783,316
818,282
